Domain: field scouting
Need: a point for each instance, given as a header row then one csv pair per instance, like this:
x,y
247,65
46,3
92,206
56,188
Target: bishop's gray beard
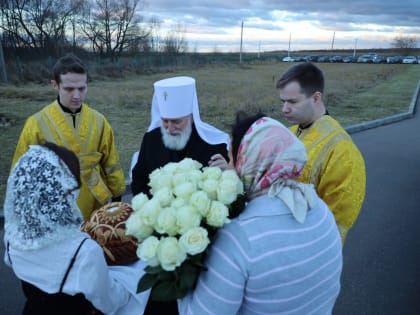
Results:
x,y
179,141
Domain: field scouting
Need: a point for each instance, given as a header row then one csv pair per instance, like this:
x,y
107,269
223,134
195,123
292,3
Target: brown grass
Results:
x,y
354,93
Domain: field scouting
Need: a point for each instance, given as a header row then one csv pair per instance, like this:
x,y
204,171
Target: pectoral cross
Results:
x,y
165,95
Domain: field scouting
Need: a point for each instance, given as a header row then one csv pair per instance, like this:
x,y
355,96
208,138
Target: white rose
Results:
x,y
195,240
135,226
159,180
187,218
177,203
170,168
195,176
188,164
170,254
200,201
218,214
166,221
231,174
227,191
185,190
150,211
138,201
155,174
212,172
164,195
179,178
210,187
147,251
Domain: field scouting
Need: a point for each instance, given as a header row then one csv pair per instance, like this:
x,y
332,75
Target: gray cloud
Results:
x,y
213,16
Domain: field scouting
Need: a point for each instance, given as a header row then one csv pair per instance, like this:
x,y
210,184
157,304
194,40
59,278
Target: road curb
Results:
x,y
415,101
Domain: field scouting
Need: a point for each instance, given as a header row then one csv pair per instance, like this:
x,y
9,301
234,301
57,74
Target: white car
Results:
x,y
409,59
288,59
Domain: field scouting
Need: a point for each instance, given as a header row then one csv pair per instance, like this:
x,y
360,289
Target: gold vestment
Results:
x,y
91,138
336,168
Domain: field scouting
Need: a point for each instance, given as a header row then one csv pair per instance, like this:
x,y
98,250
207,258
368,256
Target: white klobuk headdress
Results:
x,y
176,97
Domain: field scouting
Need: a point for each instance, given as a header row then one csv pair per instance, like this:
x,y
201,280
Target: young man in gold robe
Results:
x,y
335,165
71,123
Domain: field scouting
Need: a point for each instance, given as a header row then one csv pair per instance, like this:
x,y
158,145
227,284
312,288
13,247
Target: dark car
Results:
x,y
336,59
394,59
366,58
312,58
349,59
379,59
324,59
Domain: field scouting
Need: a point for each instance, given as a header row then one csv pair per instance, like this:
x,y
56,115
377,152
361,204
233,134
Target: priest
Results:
x,y
176,132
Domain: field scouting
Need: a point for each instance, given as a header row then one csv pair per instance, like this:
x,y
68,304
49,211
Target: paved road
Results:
x,y
381,272
382,254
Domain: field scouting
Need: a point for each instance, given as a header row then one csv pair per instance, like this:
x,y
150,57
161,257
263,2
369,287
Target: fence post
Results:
x,y
2,63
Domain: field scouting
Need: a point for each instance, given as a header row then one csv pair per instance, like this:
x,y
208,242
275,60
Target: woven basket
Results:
x,y
107,227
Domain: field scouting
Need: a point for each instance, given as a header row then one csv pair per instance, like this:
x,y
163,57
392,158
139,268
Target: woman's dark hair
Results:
x,y
242,123
68,157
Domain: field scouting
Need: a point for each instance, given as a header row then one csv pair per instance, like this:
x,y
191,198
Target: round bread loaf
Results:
x,y
107,227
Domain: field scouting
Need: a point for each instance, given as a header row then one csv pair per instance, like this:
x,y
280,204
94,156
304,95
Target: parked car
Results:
x,y
409,59
311,58
379,59
350,58
336,59
366,58
323,58
394,59
288,59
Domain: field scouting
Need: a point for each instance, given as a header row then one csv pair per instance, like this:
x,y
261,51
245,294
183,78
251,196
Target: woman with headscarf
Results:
x,y
62,270
282,254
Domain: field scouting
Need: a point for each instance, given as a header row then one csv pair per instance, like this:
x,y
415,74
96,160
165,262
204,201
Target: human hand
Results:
x,y
219,161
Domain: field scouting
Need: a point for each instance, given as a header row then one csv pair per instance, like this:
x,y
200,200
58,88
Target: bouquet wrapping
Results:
x,y
176,226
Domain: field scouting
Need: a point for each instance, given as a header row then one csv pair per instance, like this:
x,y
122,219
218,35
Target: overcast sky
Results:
x,y
215,25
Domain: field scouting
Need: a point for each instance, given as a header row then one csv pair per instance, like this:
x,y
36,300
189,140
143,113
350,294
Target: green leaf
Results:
x,y
237,206
146,282
164,291
153,270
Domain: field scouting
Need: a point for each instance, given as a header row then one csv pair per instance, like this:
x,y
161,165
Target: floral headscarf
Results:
x,y
40,206
269,161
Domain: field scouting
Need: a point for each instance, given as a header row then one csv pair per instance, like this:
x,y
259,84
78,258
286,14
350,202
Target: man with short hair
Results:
x,y
177,132
71,123
335,165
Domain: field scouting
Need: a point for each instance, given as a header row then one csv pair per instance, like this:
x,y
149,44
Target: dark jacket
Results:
x,y
153,154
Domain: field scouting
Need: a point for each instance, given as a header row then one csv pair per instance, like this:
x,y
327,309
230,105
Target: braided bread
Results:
x,y
107,227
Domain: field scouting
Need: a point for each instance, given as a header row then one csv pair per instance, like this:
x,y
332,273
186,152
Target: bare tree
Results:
x,y
113,26
404,43
37,24
175,42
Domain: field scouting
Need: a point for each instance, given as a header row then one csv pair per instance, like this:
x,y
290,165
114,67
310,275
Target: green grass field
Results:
x,y
354,93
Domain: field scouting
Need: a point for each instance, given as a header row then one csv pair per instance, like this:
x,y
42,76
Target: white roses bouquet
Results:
x,y
175,227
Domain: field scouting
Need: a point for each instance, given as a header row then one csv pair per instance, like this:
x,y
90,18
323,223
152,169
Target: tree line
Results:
x,y
108,28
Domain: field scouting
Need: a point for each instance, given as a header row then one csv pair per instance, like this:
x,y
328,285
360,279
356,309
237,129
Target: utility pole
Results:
x,y
259,48
332,43
2,63
355,46
288,50
240,51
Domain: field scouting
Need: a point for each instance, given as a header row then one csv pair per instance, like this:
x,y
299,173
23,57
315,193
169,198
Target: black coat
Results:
x,y
153,154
